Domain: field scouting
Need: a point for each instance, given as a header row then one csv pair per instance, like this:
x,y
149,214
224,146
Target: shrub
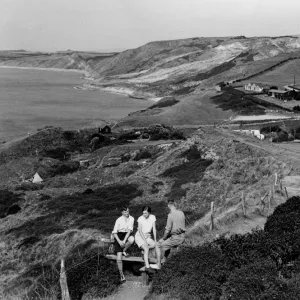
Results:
x,y
56,153
269,129
281,137
193,273
97,276
143,154
177,134
40,227
12,210
251,281
186,172
7,200
285,218
155,187
296,108
29,186
242,249
192,153
106,199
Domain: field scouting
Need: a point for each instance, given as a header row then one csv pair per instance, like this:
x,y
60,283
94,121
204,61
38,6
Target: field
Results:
x,y
32,99
282,75
192,110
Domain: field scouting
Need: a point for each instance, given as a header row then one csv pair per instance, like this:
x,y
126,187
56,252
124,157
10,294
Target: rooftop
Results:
x,y
278,91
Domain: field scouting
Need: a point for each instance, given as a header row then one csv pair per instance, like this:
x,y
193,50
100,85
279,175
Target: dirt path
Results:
x,y
132,289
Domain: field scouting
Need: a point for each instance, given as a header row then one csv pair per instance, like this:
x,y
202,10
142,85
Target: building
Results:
x,y
105,130
279,94
219,87
255,87
292,87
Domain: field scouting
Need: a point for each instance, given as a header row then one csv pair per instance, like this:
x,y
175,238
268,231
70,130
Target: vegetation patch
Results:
x,y
243,104
259,265
96,277
39,227
190,171
165,102
8,203
193,273
163,132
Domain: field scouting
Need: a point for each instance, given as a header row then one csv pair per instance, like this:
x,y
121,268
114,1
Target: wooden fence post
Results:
x,y
243,205
63,282
263,202
212,215
275,179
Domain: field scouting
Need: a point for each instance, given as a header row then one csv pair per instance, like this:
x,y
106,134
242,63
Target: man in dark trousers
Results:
x,y
174,233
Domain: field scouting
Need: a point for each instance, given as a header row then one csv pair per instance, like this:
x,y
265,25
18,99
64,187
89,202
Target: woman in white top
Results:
x,y
146,224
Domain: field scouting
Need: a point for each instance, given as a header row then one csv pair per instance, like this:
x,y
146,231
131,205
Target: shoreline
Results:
x,y
45,69
127,92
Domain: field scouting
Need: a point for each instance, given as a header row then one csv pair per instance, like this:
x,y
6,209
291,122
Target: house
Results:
x,y
105,130
219,87
279,94
256,87
292,87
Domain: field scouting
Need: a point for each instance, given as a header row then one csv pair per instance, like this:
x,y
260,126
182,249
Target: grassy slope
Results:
x,y
282,75
194,109
61,217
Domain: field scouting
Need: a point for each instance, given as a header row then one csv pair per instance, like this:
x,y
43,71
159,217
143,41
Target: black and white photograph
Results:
x,y
149,150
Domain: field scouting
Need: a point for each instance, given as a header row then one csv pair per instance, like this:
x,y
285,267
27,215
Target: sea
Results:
x,y
31,99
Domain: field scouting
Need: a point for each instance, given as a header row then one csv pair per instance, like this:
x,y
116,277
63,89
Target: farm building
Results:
x,y
106,129
279,94
292,87
256,87
219,87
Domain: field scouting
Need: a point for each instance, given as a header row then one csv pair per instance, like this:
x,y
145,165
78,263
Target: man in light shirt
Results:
x,y
123,240
174,233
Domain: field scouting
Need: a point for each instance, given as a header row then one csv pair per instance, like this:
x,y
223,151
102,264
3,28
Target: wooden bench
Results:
x,y
138,259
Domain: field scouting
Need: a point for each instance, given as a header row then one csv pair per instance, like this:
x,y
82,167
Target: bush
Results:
x,y
155,187
177,134
12,210
240,249
186,172
269,129
142,154
7,200
97,276
281,137
285,218
55,153
251,281
193,273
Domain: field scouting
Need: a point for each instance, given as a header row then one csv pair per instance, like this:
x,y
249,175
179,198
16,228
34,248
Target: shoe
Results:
x,y
125,254
149,270
154,266
123,279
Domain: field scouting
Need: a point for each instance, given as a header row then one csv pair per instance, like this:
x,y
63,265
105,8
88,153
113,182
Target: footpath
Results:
x,y
132,289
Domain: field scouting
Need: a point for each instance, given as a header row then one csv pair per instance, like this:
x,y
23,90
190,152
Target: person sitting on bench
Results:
x,y
174,233
146,224
122,238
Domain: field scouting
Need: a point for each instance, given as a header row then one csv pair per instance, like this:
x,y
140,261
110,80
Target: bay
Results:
x,y
31,99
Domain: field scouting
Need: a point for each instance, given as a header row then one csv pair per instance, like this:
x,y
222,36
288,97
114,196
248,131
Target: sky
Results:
x,y
113,25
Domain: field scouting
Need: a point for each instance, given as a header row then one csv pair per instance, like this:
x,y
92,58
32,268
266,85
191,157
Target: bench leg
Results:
x,y
145,279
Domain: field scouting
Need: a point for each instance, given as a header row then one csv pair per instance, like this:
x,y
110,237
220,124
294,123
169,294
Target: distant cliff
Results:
x,y
168,67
